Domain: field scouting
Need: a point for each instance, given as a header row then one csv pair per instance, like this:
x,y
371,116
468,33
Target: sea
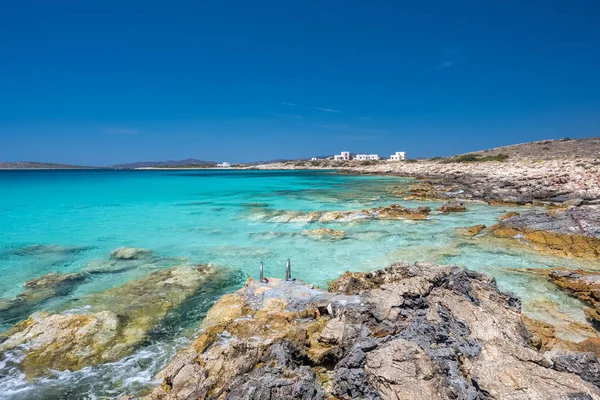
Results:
x,y
65,221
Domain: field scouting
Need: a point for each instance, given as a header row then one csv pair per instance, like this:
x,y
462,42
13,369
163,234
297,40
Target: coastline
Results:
x,y
517,182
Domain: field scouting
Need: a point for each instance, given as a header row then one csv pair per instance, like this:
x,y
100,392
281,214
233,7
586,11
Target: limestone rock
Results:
x,y
408,332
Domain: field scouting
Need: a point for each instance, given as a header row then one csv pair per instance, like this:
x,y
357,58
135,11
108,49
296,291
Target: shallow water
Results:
x,y
227,218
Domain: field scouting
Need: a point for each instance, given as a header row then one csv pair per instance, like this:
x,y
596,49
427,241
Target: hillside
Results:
x,y
38,165
548,149
169,163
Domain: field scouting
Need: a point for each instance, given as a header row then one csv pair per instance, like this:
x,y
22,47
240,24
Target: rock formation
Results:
x,y
113,324
421,331
575,232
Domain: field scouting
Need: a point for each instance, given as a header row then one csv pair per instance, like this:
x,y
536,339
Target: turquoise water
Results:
x,y
233,219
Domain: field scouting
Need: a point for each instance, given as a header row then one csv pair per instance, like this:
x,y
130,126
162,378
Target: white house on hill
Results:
x,y
224,165
398,156
363,157
344,156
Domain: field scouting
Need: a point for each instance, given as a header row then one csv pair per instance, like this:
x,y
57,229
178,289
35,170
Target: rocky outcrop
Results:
x,y
452,206
36,292
410,332
325,233
129,253
113,324
583,285
575,232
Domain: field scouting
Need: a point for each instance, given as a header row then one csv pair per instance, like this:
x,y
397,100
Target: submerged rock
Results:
x,y
471,231
421,331
452,206
114,324
325,233
390,212
36,292
129,253
47,249
575,232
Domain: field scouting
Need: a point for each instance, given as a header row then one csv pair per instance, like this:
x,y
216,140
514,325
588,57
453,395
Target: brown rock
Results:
x,y
452,206
471,231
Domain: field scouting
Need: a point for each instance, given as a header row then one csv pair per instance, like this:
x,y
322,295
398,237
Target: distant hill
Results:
x,y
169,163
548,149
38,165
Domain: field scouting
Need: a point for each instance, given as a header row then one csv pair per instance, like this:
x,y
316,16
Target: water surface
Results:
x,y
228,218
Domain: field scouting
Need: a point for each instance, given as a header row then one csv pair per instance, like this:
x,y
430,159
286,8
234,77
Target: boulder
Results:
x,y
114,324
407,332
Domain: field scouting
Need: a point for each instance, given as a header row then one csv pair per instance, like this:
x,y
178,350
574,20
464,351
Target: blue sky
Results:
x,y
116,81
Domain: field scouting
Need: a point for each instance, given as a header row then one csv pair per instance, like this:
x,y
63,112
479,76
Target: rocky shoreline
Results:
x,y
408,332
516,182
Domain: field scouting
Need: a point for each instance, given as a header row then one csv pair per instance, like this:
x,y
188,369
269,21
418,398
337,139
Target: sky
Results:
x,y
107,82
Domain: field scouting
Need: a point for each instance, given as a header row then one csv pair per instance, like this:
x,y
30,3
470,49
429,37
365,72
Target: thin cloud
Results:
x,y
446,64
286,115
285,103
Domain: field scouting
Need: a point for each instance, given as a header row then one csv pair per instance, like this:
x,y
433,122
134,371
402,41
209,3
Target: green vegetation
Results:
x,y
436,158
567,139
368,162
412,161
466,158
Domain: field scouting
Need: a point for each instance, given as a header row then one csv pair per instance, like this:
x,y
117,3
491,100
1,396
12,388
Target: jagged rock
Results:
x,y
36,292
452,206
409,332
129,253
116,322
575,232
325,233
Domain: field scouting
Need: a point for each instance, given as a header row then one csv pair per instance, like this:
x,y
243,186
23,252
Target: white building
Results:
x,y
313,159
363,157
343,156
224,165
398,156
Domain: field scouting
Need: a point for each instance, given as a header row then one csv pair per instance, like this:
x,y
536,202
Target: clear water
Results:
x,y
231,219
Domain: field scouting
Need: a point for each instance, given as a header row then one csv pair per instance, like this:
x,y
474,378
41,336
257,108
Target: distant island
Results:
x,y
566,148
40,165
